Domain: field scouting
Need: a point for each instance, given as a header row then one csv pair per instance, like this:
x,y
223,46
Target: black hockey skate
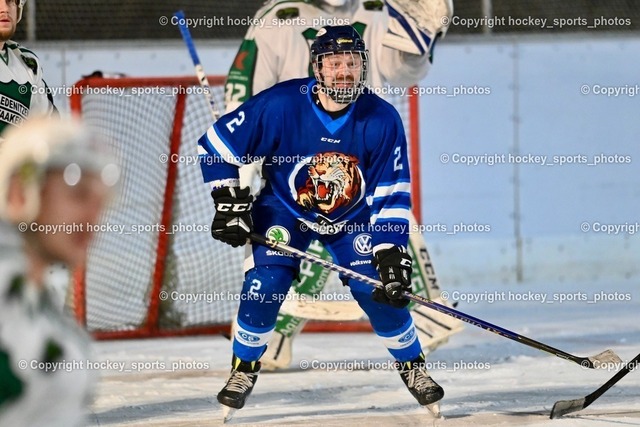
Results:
x,y
426,391
239,386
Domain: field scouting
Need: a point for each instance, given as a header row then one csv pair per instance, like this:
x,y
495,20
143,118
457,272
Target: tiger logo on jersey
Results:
x,y
334,180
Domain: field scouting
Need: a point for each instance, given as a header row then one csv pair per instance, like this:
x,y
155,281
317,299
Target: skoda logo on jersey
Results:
x,y
408,336
362,244
279,234
248,337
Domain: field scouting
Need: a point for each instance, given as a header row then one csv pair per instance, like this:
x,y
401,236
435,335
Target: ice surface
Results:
x,y
488,380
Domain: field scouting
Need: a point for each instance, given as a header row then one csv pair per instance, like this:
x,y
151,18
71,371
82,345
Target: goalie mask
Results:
x,y
339,60
44,144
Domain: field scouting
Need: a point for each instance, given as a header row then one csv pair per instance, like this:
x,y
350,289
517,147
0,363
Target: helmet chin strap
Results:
x,y
341,96
20,8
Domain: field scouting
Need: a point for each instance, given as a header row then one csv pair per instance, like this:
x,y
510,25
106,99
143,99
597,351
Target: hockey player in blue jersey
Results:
x,y
335,162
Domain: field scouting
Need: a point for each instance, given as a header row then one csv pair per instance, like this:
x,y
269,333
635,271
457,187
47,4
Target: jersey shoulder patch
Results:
x,y
16,288
28,57
288,13
31,63
274,7
373,5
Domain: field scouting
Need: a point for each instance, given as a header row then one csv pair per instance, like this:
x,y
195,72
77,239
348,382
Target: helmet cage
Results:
x,y
345,95
334,41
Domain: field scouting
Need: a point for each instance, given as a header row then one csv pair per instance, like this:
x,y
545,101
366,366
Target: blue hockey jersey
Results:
x,y
324,170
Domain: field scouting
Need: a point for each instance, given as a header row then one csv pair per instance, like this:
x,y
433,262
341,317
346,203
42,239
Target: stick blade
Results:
x,y
605,359
563,407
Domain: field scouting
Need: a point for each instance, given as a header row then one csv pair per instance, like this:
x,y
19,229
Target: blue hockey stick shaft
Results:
x,y
202,77
599,360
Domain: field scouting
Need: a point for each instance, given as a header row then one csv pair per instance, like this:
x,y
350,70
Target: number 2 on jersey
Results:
x,y
397,160
237,121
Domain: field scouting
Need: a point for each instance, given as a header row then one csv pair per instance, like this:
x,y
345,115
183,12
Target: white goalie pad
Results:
x,y
414,25
434,328
305,307
279,351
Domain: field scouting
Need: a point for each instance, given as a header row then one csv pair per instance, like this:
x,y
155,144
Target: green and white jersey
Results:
x,y
276,48
44,380
23,92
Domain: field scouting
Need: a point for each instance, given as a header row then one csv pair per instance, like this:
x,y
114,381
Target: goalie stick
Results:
x,y
202,77
563,407
607,356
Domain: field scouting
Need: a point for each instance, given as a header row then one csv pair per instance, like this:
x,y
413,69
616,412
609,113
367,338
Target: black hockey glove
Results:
x,y
394,267
232,223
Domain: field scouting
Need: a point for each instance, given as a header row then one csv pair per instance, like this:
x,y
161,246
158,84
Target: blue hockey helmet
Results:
x,y
340,40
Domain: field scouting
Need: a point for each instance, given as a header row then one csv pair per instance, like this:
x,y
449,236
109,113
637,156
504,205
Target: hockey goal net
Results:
x,y
153,269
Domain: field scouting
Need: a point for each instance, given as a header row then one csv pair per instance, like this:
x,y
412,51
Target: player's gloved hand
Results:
x,y
394,267
232,223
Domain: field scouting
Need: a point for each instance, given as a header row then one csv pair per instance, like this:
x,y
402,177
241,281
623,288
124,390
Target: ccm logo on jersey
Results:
x,y
233,207
330,140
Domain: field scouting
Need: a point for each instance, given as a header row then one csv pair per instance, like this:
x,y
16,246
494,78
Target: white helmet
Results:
x,y
42,144
20,7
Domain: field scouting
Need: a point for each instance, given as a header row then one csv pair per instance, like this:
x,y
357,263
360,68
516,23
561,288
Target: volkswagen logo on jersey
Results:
x,y
279,234
362,244
327,183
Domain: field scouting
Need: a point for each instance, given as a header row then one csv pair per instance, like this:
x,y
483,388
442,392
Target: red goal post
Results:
x,y
156,271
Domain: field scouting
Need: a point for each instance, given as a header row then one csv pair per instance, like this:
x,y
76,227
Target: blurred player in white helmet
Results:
x,y
54,183
401,35
22,89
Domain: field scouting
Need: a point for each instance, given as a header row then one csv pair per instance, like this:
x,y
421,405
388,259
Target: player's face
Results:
x,y
8,18
342,70
76,205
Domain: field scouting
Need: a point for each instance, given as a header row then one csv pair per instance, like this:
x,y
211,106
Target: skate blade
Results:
x,y
227,413
434,409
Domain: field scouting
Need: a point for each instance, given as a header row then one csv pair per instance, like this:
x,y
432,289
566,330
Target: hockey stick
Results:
x,y
202,77
607,356
563,407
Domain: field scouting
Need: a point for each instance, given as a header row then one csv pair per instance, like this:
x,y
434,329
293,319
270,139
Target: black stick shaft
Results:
x,y
583,361
632,365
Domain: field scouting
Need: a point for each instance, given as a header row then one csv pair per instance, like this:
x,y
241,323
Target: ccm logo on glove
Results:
x,y
233,207
232,223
